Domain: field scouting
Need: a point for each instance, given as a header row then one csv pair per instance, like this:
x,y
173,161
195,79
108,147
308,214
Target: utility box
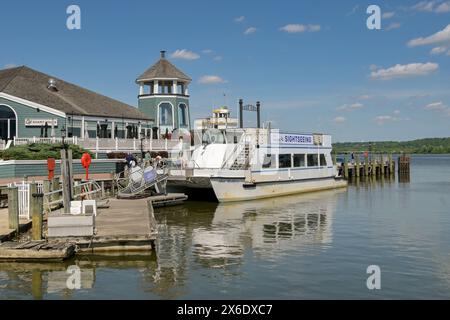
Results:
x,y
65,225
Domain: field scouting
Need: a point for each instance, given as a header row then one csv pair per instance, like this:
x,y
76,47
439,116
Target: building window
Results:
x,y
284,160
182,116
323,160
7,123
313,160
180,88
165,114
165,87
299,160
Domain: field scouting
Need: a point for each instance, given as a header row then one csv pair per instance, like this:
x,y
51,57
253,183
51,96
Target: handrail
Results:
x,y
234,152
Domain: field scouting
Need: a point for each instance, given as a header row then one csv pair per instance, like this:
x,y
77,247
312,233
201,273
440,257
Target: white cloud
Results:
x,y
185,54
218,58
10,66
207,51
355,8
392,26
211,80
250,30
339,120
239,19
396,112
436,106
350,107
407,70
299,28
425,6
388,15
365,97
438,37
443,7
381,120
438,50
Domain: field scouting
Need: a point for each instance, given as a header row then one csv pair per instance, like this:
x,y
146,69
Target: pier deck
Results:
x,y
5,232
127,225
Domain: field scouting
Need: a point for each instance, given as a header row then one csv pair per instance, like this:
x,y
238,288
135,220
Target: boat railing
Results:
x,y
238,148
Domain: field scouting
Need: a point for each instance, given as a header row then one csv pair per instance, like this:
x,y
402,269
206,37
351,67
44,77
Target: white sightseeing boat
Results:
x,y
251,163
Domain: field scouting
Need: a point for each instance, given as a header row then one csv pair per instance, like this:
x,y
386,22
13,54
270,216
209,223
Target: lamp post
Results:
x,y
63,136
142,135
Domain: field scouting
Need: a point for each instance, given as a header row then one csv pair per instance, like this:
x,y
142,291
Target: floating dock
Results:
x,y
52,251
127,225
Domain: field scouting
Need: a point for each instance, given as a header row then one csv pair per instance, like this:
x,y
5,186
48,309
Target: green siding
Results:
x,y
24,112
21,170
149,107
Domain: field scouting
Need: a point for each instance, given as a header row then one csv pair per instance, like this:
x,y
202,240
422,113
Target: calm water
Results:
x,y
307,246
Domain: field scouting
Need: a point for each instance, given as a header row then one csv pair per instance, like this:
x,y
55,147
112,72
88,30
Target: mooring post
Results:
x,y
65,181
46,187
357,164
36,209
55,187
391,170
374,167
345,167
13,208
366,165
382,164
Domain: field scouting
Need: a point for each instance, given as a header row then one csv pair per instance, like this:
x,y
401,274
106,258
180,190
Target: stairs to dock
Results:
x,y
242,161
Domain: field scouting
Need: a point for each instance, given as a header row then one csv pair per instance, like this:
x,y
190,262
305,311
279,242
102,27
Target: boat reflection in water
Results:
x,y
267,227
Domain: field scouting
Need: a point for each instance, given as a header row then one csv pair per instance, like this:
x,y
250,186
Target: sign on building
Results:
x,y
41,122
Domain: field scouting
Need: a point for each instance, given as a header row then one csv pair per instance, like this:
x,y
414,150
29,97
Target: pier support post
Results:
x,y
345,167
36,209
46,188
13,208
391,169
366,166
357,165
55,187
382,164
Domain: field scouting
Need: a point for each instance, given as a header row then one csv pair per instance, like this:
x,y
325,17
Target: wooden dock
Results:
x,y
170,199
378,165
127,225
36,251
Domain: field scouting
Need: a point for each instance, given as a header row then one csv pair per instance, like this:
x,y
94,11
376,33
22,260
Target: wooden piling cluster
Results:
x,y
377,165
403,164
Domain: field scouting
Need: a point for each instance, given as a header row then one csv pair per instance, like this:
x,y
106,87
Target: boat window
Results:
x,y
299,160
323,160
213,136
269,161
313,160
284,160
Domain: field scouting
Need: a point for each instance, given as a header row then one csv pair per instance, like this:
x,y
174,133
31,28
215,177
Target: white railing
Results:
x,y
24,197
102,144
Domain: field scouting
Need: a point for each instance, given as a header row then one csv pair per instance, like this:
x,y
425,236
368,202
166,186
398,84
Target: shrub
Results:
x,y
40,151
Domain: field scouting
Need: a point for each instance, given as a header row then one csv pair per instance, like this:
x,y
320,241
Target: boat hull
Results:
x,y
235,189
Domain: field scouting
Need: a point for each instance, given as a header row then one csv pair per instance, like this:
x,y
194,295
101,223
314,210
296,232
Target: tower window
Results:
x,y
165,87
165,114
180,88
182,116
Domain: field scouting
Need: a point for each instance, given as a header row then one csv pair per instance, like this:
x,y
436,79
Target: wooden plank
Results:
x,y
33,251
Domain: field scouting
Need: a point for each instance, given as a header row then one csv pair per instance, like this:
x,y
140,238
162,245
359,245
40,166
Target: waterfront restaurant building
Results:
x,y
39,106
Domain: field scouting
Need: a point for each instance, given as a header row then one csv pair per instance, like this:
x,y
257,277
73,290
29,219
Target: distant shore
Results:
x,y
420,146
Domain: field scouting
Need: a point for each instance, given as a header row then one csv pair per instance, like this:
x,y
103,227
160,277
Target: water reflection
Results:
x,y
213,238
220,236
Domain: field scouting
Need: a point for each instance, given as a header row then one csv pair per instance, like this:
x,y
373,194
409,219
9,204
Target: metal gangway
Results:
x,y
139,181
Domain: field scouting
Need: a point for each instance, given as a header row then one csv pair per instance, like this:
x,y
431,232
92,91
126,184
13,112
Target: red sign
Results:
x,y
51,163
86,163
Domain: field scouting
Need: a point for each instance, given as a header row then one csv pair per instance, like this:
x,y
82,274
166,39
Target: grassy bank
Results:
x,y
421,146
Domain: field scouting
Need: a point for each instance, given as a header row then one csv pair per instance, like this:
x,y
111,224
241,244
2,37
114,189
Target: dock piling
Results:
x,y
13,208
36,209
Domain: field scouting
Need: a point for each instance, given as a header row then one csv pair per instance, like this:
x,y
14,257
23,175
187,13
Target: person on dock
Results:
x,y
130,159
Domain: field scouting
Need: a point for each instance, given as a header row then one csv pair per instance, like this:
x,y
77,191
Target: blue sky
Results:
x,y
314,65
